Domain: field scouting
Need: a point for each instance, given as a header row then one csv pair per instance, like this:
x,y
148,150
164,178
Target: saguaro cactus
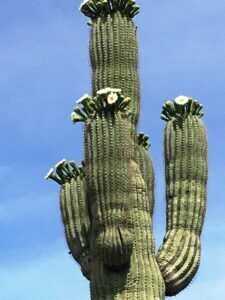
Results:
x,y
107,204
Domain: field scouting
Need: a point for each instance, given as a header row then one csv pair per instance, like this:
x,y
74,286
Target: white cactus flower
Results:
x,y
61,162
181,100
50,172
116,90
112,98
85,96
108,90
104,91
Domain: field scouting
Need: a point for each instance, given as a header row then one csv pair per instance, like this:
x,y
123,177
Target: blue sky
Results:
x,y
44,69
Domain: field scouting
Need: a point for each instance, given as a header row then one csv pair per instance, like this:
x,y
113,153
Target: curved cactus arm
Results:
x,y
74,210
186,179
144,162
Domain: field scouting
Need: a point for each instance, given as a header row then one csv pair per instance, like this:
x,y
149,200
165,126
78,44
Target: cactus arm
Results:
x,y
144,161
74,211
108,152
186,178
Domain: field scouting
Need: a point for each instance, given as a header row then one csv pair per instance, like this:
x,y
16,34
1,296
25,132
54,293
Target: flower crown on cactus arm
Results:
x,y
107,100
181,108
96,8
65,171
143,140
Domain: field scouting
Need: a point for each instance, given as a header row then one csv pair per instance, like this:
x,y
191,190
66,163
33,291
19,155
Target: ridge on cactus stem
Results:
x,y
107,203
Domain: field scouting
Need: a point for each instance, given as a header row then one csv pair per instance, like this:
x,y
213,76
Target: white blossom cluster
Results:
x,y
106,99
181,100
112,94
180,108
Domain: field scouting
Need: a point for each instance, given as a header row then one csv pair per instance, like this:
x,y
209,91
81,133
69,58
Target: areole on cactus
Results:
x,y
107,204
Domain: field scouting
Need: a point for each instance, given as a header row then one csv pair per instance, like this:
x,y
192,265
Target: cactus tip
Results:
x,y
96,8
61,162
49,174
181,107
83,98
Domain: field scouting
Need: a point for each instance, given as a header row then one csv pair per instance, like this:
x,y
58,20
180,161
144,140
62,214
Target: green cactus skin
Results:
x,y
186,178
114,57
74,211
107,167
144,161
143,279
107,205
108,154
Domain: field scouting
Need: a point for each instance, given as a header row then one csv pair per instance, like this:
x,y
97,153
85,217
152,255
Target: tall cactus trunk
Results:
x,y
107,204
114,57
108,153
142,279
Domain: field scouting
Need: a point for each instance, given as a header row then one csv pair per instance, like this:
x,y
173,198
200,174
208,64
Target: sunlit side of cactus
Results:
x,y
107,204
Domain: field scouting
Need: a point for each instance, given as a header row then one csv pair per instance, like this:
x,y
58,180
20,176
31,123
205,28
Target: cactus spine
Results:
x,y
107,204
